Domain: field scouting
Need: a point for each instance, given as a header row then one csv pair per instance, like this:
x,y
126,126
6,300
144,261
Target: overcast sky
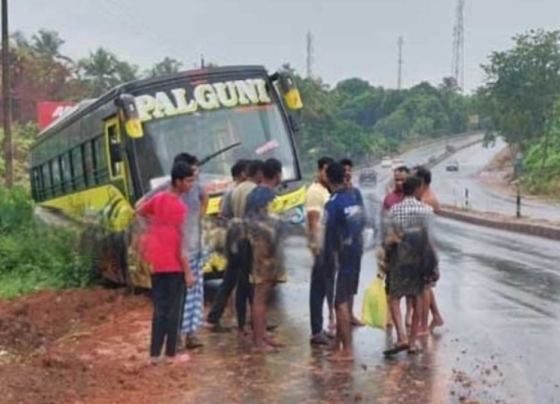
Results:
x,y
353,38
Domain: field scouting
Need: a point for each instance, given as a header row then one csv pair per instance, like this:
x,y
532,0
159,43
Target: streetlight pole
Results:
x,y
7,100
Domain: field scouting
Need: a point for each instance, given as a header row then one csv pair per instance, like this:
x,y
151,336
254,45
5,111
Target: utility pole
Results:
x,y
310,54
202,61
8,146
458,61
400,62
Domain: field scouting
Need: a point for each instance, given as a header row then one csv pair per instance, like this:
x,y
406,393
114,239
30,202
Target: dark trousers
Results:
x,y
229,281
167,296
322,286
236,274
245,289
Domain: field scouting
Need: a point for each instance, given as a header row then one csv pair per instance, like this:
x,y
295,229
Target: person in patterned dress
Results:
x,y
268,264
410,259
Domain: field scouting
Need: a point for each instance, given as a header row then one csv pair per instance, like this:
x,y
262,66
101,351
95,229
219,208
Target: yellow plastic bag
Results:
x,y
374,305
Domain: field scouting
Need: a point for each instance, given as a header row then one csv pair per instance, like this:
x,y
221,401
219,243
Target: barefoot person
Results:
x,y
341,254
238,245
268,266
357,194
407,249
394,197
317,196
429,302
162,251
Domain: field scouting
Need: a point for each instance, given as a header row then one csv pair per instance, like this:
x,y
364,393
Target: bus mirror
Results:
x,y
127,107
290,92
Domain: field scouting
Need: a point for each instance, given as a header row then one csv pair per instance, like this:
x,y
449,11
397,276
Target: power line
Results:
x,y
458,61
400,62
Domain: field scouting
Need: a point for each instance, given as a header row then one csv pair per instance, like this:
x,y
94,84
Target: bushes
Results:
x,y
34,255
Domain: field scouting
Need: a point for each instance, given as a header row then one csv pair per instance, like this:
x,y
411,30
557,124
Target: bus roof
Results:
x,y
86,106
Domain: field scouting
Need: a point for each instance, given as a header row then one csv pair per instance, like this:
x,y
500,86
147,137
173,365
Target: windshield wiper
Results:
x,y
216,154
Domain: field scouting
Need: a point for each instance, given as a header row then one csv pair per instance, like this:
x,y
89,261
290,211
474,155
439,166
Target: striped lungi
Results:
x,y
193,313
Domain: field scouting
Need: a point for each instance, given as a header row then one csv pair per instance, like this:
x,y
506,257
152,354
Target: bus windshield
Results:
x,y
259,130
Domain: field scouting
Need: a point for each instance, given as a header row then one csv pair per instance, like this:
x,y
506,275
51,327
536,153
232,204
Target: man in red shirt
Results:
x,y
396,195
162,251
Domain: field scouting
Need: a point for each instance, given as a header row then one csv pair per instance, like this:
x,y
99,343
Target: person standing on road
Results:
x,y
163,251
394,197
196,201
409,259
357,194
238,246
429,302
231,273
317,196
341,254
239,174
268,264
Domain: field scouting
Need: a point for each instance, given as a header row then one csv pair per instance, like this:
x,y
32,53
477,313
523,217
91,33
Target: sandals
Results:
x,y
396,349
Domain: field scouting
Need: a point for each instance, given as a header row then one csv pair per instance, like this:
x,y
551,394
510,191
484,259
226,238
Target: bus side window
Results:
x,y
77,168
65,173
113,140
55,170
46,172
99,160
36,188
88,163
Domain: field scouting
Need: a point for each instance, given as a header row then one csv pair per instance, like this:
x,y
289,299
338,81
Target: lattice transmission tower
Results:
x,y
400,63
458,62
310,54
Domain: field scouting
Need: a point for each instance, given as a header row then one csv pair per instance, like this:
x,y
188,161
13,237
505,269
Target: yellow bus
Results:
x,y
102,157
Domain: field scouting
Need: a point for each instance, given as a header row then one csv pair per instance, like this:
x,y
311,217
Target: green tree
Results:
x,y
47,44
522,87
166,67
102,70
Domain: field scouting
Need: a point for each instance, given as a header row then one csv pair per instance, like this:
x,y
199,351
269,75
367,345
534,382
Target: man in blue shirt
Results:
x,y
341,253
348,165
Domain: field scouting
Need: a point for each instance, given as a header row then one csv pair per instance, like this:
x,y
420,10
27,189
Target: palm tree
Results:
x,y
102,70
47,44
99,70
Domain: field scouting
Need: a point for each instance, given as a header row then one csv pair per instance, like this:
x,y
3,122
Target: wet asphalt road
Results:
x,y
499,294
450,186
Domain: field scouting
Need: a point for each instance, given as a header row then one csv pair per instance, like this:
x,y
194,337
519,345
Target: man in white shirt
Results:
x,y
317,196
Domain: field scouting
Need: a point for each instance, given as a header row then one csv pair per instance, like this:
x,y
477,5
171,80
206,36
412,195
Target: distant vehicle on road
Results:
x,y
398,163
368,177
386,162
452,165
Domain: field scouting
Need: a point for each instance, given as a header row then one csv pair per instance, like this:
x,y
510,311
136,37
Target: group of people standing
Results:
x,y
254,254
408,258
171,247
335,222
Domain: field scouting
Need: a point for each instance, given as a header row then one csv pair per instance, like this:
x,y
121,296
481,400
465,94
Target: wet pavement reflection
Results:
x,y
497,294
500,297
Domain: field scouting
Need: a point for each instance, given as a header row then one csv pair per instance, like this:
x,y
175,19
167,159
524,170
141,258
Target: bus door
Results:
x,y
118,172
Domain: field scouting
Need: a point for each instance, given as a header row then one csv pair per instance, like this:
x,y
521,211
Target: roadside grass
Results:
x,y
34,255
